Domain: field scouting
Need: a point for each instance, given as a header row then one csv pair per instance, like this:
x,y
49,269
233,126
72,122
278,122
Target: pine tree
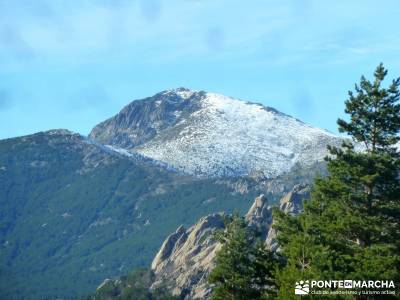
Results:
x,y
351,226
244,268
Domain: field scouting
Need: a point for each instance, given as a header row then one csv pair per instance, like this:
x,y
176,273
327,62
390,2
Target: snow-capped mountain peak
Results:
x,y
182,92
214,135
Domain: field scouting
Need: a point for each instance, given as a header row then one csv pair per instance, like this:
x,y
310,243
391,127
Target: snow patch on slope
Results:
x,y
121,151
230,137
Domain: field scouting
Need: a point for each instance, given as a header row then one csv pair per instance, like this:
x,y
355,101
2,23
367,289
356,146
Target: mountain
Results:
x,y
187,256
208,134
73,212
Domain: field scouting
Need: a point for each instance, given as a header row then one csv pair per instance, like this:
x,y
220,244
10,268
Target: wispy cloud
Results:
x,y
142,28
160,31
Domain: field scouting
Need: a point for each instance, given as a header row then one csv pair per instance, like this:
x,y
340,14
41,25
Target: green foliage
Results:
x,y
374,112
351,226
244,268
136,286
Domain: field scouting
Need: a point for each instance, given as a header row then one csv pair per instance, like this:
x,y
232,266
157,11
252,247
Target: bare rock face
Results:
x,y
291,203
142,120
168,246
260,216
187,256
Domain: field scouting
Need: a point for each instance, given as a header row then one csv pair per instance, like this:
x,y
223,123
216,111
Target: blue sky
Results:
x,y
72,64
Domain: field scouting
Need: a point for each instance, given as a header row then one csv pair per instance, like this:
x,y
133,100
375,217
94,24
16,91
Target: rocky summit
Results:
x,y
208,134
187,256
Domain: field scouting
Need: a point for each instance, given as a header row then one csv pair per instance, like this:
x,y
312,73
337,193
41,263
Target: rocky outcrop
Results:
x,y
142,120
187,256
291,203
260,216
